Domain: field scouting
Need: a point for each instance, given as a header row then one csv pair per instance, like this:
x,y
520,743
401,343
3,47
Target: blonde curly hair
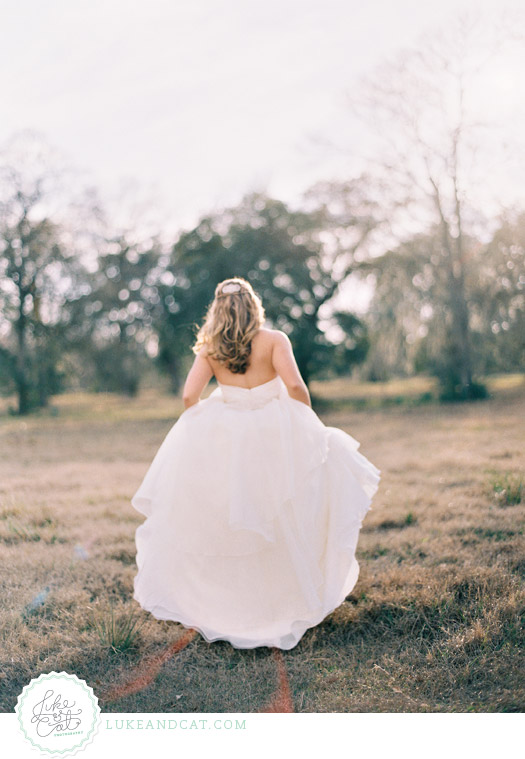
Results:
x,y
232,319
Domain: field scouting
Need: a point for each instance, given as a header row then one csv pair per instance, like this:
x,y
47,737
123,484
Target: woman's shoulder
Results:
x,y
268,334
277,337
267,338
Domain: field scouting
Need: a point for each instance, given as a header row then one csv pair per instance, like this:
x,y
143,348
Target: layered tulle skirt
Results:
x,y
253,511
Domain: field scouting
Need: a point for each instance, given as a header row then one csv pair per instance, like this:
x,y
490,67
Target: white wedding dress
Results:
x,y
253,511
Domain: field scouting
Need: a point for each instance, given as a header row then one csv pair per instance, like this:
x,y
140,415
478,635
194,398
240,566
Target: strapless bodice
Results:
x,y
251,397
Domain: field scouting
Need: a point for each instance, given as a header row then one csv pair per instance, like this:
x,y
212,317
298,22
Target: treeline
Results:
x,y
100,315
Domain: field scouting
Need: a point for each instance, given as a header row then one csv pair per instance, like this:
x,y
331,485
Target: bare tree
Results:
x,y
424,109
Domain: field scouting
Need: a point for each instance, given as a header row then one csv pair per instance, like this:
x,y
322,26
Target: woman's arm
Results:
x,y
198,377
284,363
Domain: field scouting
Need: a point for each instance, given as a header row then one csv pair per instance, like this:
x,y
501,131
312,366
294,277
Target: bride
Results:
x,y
253,506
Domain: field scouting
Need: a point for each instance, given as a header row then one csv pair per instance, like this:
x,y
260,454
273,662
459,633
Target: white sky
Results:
x,y
198,101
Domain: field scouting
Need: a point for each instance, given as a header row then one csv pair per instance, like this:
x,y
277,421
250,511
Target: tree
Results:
x,y
422,107
407,315
36,276
498,296
111,322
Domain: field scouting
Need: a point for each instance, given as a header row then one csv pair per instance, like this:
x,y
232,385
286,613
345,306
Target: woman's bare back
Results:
x,y
260,369
271,356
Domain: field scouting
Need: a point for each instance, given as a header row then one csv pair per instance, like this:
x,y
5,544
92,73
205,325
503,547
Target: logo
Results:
x,y
58,714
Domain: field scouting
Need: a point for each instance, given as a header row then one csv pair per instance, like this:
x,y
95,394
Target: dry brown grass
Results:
x,y
435,622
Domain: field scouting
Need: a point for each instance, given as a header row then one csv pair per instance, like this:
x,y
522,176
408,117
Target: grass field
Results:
x,y
434,624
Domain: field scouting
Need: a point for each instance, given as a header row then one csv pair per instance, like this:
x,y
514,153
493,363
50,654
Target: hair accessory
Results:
x,y
231,287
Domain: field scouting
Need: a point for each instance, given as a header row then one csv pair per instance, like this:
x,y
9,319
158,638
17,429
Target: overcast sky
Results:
x,y
198,101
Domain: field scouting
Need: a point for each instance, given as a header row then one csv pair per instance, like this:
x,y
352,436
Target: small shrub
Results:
x,y
116,631
507,488
455,391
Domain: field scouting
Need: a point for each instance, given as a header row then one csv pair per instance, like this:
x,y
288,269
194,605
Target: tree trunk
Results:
x,y
21,370
459,341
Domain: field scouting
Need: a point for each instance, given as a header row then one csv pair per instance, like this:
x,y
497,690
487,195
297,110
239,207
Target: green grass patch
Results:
x,y
507,488
398,524
117,631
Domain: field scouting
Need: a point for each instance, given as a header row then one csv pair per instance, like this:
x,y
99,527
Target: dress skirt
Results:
x,y
253,509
